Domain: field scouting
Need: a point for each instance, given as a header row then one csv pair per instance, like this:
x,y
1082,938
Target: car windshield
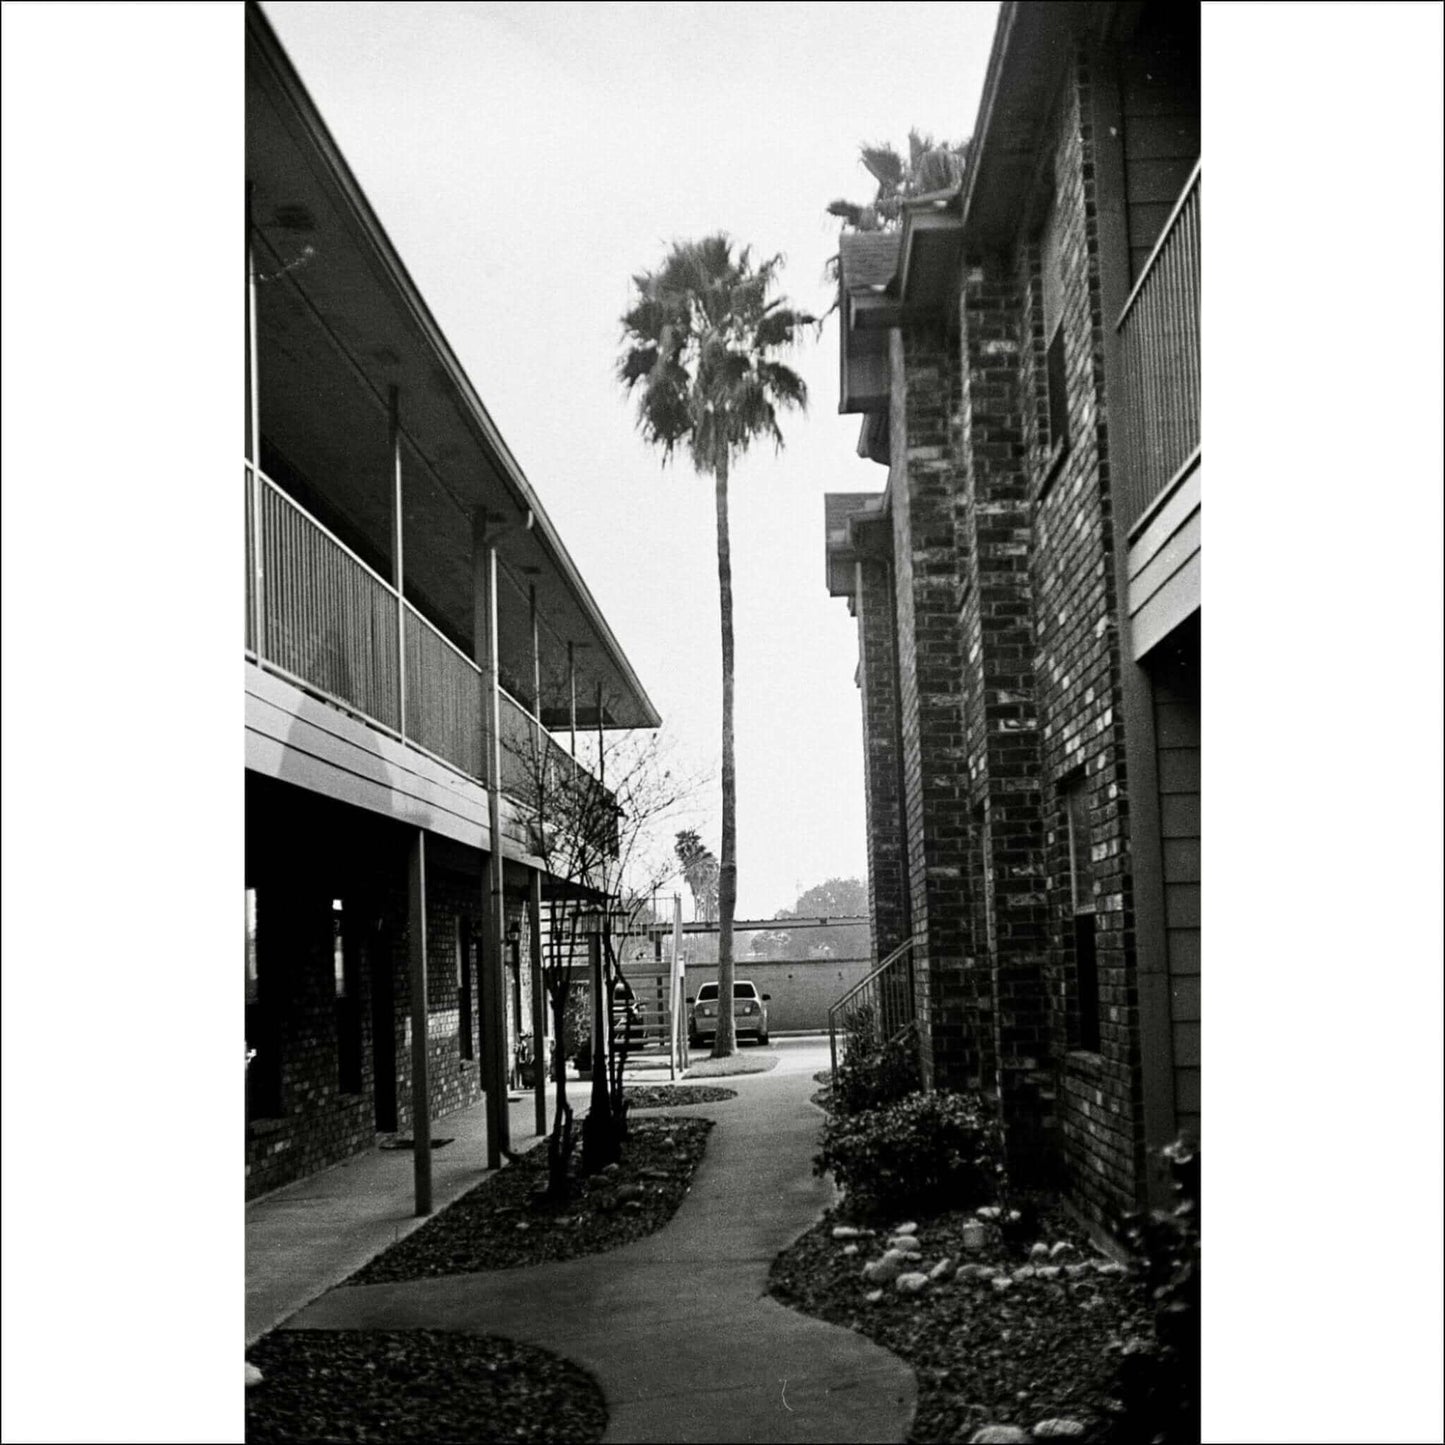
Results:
x,y
740,990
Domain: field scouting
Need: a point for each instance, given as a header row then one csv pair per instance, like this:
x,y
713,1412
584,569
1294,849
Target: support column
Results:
x,y
1146,846
572,693
398,578
541,1056
997,527
420,1090
925,472
494,949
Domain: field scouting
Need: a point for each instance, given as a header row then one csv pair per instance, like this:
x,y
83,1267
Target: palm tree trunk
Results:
x,y
725,1040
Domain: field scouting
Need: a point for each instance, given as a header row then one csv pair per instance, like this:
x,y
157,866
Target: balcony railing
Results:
x,y
319,616
880,1005
1159,333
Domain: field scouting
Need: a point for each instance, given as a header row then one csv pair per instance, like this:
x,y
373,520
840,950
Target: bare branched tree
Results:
x,y
599,833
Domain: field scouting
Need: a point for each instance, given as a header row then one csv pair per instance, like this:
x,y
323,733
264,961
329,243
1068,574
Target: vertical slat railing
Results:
x,y
328,621
1159,337
521,763
327,617
443,692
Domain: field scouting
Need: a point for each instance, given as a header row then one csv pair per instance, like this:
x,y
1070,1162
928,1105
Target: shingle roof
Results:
x,y
867,258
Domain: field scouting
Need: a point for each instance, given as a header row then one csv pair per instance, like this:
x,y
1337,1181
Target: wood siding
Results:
x,y
299,739
1159,92
1165,565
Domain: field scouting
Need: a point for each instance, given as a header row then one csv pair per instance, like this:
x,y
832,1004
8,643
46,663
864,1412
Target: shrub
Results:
x,y
874,1074
1159,1382
926,1152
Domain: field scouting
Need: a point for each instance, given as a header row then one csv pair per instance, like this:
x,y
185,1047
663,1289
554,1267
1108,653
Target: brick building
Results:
x,y
1024,353
414,625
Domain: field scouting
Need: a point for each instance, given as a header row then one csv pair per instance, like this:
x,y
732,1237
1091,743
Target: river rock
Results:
x,y
253,1375
1077,1271
941,1271
909,1228
905,1244
999,1435
850,1249
873,1296
1048,1271
912,1283
1025,1272
1058,1429
972,1271
885,1270
1062,1247
1039,1250
848,1231
1002,1282
990,1212
1111,1267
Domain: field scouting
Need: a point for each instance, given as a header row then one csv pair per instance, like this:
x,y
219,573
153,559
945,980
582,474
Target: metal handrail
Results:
x,y
836,1010
1165,232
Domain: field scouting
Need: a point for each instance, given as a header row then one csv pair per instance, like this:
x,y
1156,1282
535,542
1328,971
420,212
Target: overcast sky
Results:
x,y
527,160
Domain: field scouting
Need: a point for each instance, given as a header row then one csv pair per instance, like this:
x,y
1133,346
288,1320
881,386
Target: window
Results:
x,y
348,1003
1081,913
740,990
1056,369
263,1063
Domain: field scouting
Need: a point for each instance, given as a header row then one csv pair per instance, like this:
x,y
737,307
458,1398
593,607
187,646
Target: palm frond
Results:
x,y
883,163
635,364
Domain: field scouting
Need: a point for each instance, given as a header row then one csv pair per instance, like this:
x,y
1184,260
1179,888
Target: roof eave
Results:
x,y
406,291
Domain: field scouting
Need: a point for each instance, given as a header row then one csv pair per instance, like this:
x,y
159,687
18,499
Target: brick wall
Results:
x,y
1011,948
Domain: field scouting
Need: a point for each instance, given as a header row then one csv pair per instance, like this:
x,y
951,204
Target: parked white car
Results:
x,y
750,1013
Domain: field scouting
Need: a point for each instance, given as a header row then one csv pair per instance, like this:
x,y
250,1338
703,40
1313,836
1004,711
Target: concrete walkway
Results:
x,y
677,1327
307,1237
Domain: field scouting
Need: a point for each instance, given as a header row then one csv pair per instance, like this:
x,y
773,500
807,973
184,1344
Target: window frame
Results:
x,y
1086,1016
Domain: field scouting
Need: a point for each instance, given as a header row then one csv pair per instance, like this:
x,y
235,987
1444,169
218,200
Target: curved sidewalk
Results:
x,y
677,1327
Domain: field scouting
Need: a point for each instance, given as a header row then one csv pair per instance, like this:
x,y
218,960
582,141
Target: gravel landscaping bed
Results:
x,y
503,1224
749,1063
992,1341
397,1386
671,1096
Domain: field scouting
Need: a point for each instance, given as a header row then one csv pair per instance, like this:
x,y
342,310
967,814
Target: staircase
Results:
x,y
648,976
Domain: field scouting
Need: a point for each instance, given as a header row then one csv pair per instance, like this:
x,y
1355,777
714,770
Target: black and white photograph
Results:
x,y
708,770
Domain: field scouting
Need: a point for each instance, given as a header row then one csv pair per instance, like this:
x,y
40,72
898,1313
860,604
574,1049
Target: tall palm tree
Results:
x,y
698,353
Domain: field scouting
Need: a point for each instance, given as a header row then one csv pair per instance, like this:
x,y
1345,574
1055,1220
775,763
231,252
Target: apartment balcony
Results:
x,y
320,618
1158,457
398,560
